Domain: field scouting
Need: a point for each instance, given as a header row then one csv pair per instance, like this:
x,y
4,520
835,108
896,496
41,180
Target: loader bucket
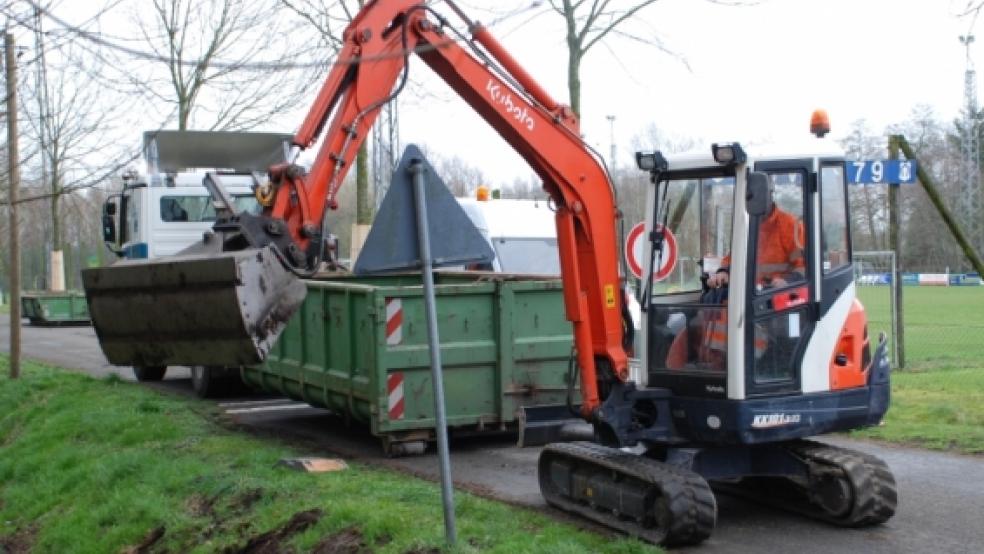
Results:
x,y
224,309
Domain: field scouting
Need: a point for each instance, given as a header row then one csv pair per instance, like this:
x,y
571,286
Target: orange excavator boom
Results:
x,y
371,69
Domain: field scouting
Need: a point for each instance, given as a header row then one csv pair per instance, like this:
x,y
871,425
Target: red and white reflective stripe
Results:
x,y
394,321
394,388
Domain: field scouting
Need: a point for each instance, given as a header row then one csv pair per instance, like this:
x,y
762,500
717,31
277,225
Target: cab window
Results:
x,y
699,214
780,251
833,219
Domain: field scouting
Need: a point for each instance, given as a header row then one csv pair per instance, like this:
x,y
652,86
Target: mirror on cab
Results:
x,y
109,229
758,199
109,221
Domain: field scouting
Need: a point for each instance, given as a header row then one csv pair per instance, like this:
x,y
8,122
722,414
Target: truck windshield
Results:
x,y
528,255
199,209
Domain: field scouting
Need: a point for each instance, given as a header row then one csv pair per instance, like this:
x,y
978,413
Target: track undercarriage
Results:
x,y
667,504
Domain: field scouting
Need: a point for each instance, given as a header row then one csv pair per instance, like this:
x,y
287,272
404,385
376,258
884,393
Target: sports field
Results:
x,y
943,326
938,398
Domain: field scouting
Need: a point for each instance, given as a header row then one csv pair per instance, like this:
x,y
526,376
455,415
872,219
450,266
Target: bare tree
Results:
x,y
927,244
219,64
588,23
71,121
591,23
461,177
868,203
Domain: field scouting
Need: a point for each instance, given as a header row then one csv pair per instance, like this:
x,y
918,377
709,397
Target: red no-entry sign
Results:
x,y
636,250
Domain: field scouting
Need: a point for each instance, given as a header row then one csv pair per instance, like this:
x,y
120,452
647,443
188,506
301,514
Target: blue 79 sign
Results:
x,y
873,172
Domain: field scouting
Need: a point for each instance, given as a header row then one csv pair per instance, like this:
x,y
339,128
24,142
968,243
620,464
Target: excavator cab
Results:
x,y
785,324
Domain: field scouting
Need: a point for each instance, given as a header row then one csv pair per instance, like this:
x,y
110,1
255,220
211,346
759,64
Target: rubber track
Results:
x,y
875,493
875,496
689,498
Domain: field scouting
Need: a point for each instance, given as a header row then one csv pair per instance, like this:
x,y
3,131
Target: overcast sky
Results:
x,y
752,74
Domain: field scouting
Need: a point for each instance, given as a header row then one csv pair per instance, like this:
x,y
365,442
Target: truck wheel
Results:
x,y
149,372
208,381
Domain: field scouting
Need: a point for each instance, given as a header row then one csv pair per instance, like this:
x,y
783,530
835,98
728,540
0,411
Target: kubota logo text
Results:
x,y
516,109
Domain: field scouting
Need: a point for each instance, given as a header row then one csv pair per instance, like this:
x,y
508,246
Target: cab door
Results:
x,y
780,271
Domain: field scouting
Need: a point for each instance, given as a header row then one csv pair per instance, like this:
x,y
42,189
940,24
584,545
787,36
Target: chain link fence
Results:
x,y
939,322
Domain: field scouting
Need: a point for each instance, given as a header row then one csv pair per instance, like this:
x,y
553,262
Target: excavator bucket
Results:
x,y
223,309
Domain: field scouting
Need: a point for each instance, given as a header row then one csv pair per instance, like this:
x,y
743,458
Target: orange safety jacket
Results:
x,y
780,251
780,246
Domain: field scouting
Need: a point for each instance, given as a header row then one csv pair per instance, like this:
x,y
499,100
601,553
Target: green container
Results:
x,y
55,308
358,347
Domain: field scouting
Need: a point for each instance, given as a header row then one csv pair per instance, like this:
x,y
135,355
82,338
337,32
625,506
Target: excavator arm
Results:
x,y
372,68
224,301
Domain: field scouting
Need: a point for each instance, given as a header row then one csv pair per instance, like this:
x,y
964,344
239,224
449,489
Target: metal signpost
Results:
x,y
417,171
893,172
394,244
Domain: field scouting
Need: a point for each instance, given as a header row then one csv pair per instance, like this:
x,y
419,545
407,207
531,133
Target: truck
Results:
x,y
732,383
167,208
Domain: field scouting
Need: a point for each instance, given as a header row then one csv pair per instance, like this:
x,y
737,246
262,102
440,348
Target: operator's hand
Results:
x,y
718,280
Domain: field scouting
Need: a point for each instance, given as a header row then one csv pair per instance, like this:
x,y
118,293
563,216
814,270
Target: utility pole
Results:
x,y
13,160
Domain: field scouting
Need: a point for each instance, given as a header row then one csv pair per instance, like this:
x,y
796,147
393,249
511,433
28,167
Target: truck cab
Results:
x,y
167,208
147,221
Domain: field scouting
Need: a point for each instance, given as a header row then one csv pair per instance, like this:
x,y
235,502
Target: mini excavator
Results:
x,y
790,357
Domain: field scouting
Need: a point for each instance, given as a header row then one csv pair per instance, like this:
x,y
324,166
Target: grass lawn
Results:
x,y
106,466
938,399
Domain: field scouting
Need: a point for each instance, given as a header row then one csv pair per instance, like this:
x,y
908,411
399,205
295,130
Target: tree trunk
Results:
x,y
363,205
574,78
56,264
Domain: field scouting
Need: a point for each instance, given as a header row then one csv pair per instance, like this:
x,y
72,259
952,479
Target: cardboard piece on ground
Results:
x,y
314,465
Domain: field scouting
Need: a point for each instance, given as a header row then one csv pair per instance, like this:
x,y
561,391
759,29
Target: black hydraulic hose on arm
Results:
x,y
572,377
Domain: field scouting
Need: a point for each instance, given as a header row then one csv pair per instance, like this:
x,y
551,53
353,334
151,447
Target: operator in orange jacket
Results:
x,y
779,258
780,252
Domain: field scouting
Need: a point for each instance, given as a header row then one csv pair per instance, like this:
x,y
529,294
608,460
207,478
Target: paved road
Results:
x,y
70,347
942,495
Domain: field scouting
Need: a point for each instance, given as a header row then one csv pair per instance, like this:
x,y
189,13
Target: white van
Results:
x,y
522,233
